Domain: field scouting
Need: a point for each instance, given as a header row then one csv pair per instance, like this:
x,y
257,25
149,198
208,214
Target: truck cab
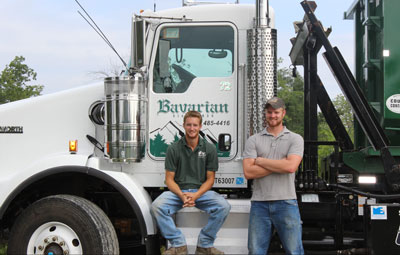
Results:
x,y
92,158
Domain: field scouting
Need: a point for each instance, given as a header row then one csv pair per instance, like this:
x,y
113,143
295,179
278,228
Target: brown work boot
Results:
x,y
208,251
181,250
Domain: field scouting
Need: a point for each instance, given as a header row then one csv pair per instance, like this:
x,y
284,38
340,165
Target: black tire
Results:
x,y
63,222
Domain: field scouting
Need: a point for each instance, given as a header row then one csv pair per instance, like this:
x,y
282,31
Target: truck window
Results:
x,y
187,52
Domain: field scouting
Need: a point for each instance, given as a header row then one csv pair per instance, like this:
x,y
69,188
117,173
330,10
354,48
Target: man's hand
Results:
x,y
253,171
258,161
173,187
187,202
190,199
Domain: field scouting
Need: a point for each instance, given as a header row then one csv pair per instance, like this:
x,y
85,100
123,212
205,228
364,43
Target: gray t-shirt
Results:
x,y
275,186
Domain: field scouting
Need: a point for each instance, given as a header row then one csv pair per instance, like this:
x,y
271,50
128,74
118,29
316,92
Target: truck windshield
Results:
x,y
187,52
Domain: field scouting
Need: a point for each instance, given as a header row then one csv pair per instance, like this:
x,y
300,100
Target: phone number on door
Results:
x,y
217,123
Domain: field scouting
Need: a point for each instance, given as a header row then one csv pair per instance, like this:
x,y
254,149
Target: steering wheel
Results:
x,y
185,76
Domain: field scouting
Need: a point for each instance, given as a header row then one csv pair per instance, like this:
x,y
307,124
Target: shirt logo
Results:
x,y
202,154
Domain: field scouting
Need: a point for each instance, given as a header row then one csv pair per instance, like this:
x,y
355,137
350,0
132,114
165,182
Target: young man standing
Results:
x,y
271,158
190,167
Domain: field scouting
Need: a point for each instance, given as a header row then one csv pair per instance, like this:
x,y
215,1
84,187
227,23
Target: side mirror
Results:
x,y
224,142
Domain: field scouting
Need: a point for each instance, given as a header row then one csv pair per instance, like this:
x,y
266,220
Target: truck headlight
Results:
x,y
367,179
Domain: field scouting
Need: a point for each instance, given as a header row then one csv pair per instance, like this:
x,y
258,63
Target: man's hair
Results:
x,y
194,114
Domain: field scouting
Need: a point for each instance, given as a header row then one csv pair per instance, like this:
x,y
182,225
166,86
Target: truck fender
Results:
x,y
126,184
14,181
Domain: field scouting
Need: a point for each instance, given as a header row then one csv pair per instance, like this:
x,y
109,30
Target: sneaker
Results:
x,y
208,251
181,250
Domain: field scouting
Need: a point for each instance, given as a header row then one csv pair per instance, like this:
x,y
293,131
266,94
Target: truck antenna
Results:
x,y
100,33
268,19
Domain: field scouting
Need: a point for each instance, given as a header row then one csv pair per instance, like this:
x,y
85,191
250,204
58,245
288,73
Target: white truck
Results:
x,y
80,168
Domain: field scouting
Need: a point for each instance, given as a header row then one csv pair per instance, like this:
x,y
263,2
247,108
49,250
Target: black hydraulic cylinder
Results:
x,y
310,104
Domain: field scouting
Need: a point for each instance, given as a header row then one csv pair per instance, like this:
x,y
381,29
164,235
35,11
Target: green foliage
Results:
x,y
14,79
3,248
290,89
346,114
324,133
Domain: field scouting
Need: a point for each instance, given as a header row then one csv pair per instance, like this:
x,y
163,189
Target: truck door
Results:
x,y
193,67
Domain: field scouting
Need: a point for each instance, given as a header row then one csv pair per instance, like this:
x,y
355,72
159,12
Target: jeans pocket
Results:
x,y
292,202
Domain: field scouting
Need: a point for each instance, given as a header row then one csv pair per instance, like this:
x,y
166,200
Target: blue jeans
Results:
x,y
284,216
168,204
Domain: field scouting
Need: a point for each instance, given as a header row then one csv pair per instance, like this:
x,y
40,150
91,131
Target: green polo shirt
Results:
x,y
191,167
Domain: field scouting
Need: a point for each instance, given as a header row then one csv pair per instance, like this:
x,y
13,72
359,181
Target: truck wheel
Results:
x,y
63,224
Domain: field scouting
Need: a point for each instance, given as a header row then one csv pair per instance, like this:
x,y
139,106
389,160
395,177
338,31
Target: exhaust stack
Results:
x,y
262,13
262,66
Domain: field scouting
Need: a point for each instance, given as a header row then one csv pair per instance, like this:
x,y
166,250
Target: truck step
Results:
x,y
232,237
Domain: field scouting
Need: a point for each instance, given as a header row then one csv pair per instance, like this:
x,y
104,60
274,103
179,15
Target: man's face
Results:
x,y
192,127
274,116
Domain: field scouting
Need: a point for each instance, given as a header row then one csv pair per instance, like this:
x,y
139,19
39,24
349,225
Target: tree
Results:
x,y
14,79
345,113
291,90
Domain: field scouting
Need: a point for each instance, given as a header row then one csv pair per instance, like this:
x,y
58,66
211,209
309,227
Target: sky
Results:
x,y
66,53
